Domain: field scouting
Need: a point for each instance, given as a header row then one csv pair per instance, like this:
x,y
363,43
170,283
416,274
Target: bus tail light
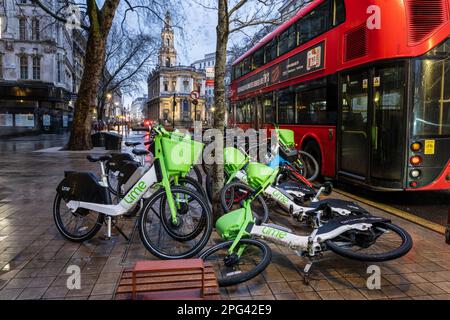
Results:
x,y
416,160
416,146
415,174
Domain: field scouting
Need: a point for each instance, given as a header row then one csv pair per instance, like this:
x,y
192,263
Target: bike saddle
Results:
x,y
132,144
141,152
98,159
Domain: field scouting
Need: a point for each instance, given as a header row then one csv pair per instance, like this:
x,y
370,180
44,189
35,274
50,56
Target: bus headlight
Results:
x,y
415,174
416,146
416,160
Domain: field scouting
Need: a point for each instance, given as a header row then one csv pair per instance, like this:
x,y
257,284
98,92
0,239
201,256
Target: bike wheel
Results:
x,y
232,269
158,237
175,232
233,193
79,226
196,174
382,242
307,166
192,184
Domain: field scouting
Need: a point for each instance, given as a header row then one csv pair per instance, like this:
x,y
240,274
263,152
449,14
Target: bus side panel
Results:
x,y
325,136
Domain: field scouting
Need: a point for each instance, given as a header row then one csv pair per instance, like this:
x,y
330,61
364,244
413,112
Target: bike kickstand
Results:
x,y
306,272
122,233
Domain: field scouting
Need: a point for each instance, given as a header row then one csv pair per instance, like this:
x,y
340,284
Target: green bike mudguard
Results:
x,y
258,174
229,225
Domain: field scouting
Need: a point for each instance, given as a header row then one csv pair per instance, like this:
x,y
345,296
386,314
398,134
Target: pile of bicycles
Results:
x,y
174,214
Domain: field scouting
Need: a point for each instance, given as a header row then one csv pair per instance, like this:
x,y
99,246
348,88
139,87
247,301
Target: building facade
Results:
x,y
207,65
137,109
170,86
37,72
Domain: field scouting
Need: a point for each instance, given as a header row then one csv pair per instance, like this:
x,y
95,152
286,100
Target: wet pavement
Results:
x,y
429,205
34,258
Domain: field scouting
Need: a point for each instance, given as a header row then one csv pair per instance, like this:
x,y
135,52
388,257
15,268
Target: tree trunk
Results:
x,y
100,25
219,99
80,137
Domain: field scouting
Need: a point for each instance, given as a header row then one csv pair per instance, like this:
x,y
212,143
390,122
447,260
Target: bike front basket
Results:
x,y
180,153
286,136
258,174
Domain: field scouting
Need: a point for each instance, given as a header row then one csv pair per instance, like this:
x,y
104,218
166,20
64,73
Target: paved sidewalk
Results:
x,y
34,258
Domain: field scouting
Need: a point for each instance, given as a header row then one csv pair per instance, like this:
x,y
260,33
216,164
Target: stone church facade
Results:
x,y
170,86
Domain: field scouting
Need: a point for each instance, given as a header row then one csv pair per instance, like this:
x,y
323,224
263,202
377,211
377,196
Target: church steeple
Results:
x,y
167,52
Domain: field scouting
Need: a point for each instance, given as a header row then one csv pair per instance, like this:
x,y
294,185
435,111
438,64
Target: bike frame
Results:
x,y
283,236
140,190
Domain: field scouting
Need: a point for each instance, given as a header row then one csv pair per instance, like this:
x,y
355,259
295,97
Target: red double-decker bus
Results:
x,y
364,84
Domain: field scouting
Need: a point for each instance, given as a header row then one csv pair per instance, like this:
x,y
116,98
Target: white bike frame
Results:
x,y
286,202
310,244
138,191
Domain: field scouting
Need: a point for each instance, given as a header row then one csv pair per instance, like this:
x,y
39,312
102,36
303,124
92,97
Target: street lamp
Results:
x,y
174,105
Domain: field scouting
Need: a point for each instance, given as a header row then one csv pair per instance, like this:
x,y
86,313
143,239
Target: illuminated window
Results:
x,y
23,67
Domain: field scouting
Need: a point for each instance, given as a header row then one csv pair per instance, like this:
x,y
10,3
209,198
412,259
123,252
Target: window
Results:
x,y
338,12
270,51
286,104
1,23
166,86
311,107
246,68
186,85
174,86
58,68
35,29
258,58
23,60
244,112
1,66
287,40
269,109
166,114
238,70
168,63
36,68
22,29
314,23
58,33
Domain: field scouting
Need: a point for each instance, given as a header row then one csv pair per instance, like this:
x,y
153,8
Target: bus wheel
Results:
x,y
313,149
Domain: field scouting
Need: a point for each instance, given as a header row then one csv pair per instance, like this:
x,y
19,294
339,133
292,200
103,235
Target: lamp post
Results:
x,y
174,105
108,97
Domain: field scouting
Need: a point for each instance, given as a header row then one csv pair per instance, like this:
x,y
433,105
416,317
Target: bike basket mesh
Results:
x,y
257,174
233,159
180,153
287,137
